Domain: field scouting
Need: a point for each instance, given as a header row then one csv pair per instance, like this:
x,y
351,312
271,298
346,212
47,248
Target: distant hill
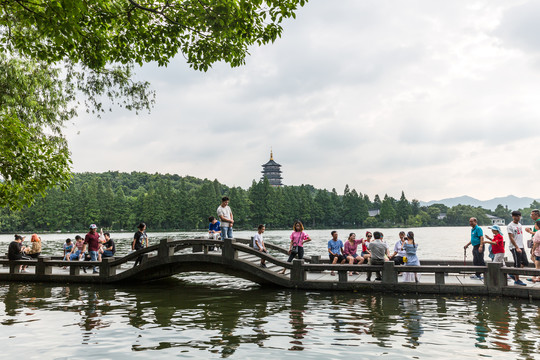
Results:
x,y
513,202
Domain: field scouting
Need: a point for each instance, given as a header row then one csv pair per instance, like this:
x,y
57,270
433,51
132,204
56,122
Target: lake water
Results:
x,y
206,315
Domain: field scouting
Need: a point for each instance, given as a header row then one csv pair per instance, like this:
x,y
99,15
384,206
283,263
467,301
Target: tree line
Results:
x,y
119,201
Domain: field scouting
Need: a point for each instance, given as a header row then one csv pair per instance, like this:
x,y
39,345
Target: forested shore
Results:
x,y
119,201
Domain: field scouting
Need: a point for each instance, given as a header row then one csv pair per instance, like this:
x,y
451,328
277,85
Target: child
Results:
x,y
68,247
76,252
258,243
214,230
497,244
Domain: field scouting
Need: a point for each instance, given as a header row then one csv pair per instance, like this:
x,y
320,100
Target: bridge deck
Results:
x,y
233,257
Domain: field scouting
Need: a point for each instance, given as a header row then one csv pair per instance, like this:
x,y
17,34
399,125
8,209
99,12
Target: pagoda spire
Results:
x,y
271,154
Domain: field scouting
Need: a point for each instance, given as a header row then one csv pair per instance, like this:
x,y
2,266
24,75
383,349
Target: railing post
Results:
x,y
105,268
315,259
14,269
164,250
297,272
197,248
74,270
342,276
494,278
389,275
439,278
41,267
228,252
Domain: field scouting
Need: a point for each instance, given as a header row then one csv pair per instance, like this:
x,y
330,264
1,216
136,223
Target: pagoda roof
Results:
x,y
271,162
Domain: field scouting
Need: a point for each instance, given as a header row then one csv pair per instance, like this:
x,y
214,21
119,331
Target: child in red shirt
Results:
x,y
497,244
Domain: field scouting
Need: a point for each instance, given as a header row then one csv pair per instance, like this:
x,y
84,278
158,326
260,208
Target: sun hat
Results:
x,y
93,226
495,227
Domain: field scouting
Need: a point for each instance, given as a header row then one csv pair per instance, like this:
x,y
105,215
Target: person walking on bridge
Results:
x,y
515,233
477,241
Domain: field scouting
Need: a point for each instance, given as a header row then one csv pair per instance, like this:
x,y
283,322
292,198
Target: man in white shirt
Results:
x,y
399,253
225,215
515,233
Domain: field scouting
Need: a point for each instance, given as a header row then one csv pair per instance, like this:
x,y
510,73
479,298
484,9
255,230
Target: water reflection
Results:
x,y
175,316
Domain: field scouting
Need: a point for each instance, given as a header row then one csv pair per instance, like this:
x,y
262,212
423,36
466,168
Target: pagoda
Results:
x,y
271,171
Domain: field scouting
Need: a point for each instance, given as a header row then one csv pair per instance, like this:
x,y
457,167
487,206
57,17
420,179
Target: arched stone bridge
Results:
x,y
236,258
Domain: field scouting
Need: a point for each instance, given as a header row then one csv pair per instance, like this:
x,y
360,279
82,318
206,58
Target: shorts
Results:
x,y
537,258
340,257
519,259
499,258
364,253
354,255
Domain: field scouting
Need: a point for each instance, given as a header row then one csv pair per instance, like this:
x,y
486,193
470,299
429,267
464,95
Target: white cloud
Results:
x,y
435,98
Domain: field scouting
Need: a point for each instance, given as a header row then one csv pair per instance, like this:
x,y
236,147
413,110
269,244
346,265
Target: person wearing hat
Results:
x,y
515,233
92,240
497,244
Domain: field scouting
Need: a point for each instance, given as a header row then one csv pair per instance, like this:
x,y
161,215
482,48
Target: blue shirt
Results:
x,y
214,227
335,246
476,234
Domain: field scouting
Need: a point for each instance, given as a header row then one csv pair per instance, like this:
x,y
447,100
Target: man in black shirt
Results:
x,y
16,251
109,247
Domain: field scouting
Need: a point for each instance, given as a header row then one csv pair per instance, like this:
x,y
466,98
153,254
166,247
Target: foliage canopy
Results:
x,y
53,50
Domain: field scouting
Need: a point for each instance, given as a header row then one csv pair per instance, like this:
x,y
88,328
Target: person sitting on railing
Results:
x,y
411,258
68,247
378,250
77,251
366,254
16,251
399,253
298,238
35,250
258,243
335,250
350,251
109,248
214,230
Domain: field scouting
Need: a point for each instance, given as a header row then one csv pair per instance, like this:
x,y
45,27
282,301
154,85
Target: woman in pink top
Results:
x,y
535,252
350,251
298,238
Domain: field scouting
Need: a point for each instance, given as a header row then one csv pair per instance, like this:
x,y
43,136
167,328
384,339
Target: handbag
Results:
x,y
294,249
530,243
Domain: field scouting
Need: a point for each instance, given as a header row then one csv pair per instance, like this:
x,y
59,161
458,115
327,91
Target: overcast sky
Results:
x,y
436,98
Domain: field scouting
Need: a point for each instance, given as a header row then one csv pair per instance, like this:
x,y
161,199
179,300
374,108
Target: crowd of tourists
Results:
x,y
516,245
371,249
94,247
